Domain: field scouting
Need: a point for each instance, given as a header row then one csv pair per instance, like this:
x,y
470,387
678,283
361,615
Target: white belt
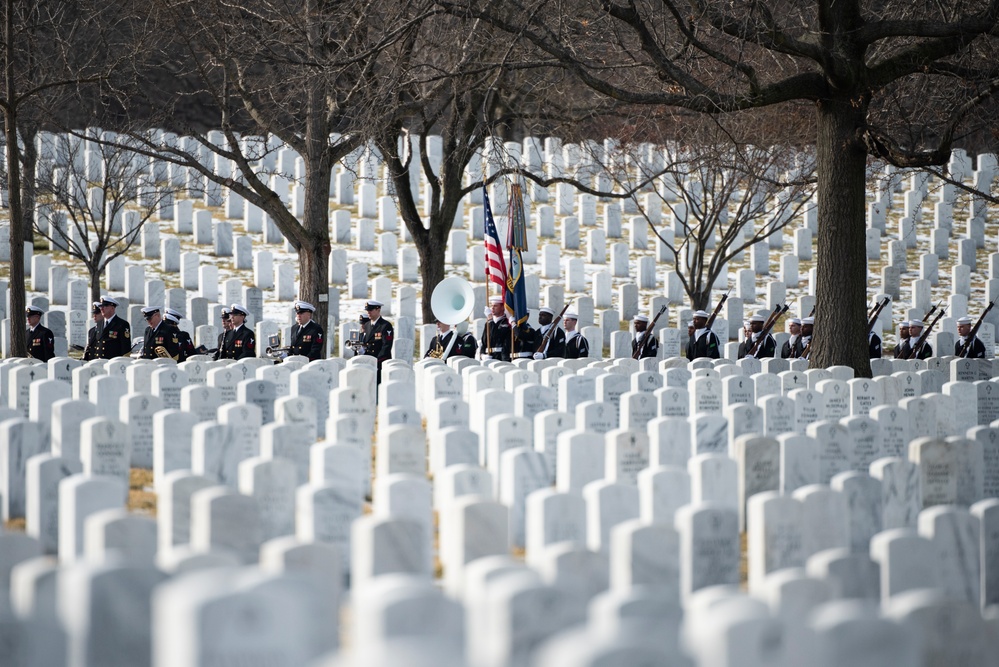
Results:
x,y
494,350
524,355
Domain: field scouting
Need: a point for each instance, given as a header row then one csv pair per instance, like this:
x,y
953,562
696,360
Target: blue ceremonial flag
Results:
x,y
516,287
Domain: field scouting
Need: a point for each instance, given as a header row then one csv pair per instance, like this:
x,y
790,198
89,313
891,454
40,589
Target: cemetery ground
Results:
x,y
537,513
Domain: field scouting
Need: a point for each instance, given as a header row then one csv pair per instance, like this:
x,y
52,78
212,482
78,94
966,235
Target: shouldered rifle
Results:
x,y
811,313
914,353
929,313
771,322
974,330
648,334
721,302
876,313
551,329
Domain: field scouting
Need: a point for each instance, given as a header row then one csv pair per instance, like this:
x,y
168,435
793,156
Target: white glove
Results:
x,y
539,355
487,312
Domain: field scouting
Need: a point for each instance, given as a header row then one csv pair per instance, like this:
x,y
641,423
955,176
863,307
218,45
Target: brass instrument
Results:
x,y
274,349
437,351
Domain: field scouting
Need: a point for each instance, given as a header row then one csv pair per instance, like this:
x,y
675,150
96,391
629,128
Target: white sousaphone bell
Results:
x,y
452,300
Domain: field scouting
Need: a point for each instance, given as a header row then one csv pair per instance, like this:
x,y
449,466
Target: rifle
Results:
x,y
929,313
648,334
551,329
811,313
779,310
721,302
974,330
914,353
876,313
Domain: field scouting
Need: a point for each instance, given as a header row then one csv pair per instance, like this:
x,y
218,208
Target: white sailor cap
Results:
x,y
149,310
745,323
108,301
963,320
690,323
33,310
571,315
175,314
808,320
701,313
302,306
170,317
757,318
371,304
794,320
237,309
905,323
495,299
917,323
546,309
641,318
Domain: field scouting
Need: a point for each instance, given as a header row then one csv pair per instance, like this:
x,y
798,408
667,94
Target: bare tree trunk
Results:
x,y
29,160
95,284
841,270
18,339
313,255
431,274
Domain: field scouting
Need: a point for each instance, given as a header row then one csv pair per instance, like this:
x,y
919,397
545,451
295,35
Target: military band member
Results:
x,y
792,347
41,340
703,342
307,337
94,333
874,345
186,350
115,338
159,339
496,338
904,347
976,349
450,343
555,347
767,347
226,328
649,348
576,345
380,336
915,331
240,342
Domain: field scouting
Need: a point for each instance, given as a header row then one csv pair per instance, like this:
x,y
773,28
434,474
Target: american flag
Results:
x,y
495,266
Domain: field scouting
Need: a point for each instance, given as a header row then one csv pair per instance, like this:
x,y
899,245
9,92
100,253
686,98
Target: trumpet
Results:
x,y
163,353
274,349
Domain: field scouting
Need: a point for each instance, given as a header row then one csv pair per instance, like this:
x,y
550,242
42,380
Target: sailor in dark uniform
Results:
x,y
41,340
450,343
791,349
526,341
767,347
159,340
915,331
307,337
576,345
378,341
240,343
496,338
977,348
874,345
703,342
226,328
94,333
186,345
649,348
555,347
807,326
115,339
904,347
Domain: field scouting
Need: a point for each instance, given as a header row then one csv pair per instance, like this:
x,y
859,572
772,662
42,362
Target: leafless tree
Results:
x,y
98,221
896,80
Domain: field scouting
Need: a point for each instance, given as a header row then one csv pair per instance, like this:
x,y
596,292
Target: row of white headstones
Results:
x,y
626,483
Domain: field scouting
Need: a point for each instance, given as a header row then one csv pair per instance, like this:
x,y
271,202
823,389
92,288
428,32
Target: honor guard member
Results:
x,y
240,343
977,348
450,343
41,340
226,328
173,319
904,347
767,347
469,346
94,333
747,333
380,336
807,325
306,335
496,338
915,331
526,341
649,348
159,340
792,346
576,345
556,342
703,342
115,339
874,345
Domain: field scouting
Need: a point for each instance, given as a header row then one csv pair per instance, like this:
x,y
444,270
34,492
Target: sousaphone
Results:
x,y
453,300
